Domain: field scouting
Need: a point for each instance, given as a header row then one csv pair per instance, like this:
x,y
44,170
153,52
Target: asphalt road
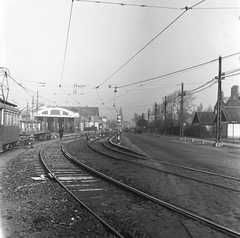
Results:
x,y
219,204
186,153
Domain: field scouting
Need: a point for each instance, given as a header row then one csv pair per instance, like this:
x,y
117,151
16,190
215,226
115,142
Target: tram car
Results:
x,y
33,129
9,125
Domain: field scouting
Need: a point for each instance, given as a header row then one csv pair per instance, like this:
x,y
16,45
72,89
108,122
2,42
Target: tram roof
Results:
x,y
7,103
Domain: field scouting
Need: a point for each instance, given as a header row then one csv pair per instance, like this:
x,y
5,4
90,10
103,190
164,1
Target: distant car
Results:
x,y
138,130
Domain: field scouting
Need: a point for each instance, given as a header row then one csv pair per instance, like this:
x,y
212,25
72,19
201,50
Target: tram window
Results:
x,y
18,118
11,118
5,120
14,119
0,117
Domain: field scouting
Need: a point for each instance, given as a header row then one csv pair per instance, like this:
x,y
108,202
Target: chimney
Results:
x,y
235,90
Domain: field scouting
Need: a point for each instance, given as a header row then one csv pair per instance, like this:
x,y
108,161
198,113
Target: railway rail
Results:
x,y
97,196
202,176
69,177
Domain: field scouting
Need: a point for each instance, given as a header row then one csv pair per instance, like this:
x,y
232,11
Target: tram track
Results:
x,y
176,209
228,182
97,196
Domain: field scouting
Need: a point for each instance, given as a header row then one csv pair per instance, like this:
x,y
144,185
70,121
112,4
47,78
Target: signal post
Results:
x,y
119,120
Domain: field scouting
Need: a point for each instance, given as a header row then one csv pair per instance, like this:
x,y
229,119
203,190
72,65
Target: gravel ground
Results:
x,y
38,209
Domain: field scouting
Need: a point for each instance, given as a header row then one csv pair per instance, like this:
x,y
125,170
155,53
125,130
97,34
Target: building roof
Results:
x,y
85,111
231,114
204,118
89,111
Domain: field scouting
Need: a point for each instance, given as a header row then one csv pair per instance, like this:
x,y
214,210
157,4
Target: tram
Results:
x,y
9,125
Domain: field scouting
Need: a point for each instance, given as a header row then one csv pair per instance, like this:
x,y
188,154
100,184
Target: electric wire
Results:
x,y
69,96
66,45
142,49
201,86
178,71
232,75
157,7
103,102
231,71
19,85
216,8
200,90
169,74
130,4
28,90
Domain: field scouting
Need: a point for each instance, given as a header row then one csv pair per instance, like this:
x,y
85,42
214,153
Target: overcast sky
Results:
x,y
104,37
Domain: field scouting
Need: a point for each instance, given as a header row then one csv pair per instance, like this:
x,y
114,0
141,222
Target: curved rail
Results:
x,y
167,205
200,171
124,147
129,152
174,173
52,176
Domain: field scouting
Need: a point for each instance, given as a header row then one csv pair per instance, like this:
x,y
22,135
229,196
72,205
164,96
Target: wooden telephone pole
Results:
x,y
218,142
181,113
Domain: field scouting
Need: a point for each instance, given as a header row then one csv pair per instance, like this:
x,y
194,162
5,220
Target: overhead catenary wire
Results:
x,y
169,74
66,44
131,4
155,6
69,96
142,49
28,90
103,102
193,91
177,71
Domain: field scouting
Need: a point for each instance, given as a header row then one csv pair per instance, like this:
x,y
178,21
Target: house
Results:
x,y
230,115
230,122
204,122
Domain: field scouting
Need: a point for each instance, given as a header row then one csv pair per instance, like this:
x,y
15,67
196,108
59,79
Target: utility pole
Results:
x,y
37,103
181,112
32,106
219,105
148,119
155,115
27,112
165,115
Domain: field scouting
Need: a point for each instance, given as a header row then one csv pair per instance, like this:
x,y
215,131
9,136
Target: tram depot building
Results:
x,y
71,119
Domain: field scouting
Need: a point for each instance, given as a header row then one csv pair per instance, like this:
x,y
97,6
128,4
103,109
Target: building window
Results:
x,y
45,112
55,112
65,113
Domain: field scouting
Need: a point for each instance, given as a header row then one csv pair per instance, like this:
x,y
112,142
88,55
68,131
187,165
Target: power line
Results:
x,y
191,93
201,86
20,85
69,96
157,7
177,72
169,74
216,8
231,75
130,4
65,52
141,49
28,90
